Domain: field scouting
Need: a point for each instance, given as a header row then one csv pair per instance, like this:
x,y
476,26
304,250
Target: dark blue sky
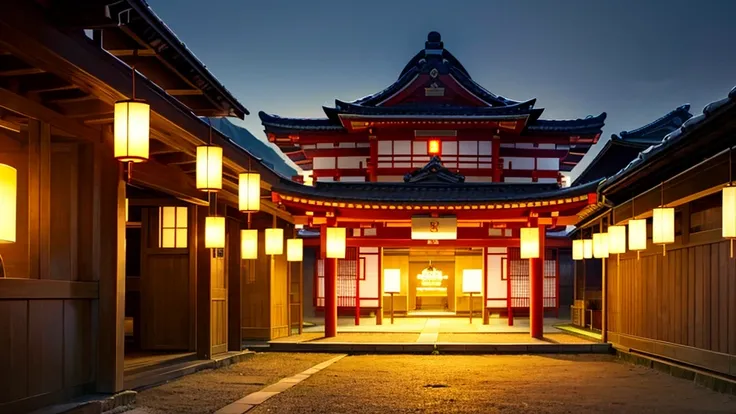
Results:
x,y
635,60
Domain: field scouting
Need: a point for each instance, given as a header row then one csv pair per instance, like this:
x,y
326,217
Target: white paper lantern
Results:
x,y
617,239
530,243
391,280
600,245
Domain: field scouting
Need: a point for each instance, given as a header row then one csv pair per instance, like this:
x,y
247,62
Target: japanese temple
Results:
x,y
436,174
144,236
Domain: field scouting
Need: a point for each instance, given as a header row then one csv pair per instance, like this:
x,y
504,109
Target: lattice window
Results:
x,y
172,227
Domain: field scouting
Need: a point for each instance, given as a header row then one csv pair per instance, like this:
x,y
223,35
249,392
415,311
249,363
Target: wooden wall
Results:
x,y
48,300
680,306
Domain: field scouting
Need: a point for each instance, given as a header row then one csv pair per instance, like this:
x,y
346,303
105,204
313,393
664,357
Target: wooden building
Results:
x,y
617,153
671,293
434,147
104,262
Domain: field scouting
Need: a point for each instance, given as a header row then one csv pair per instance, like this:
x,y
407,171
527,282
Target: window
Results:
x,y
172,227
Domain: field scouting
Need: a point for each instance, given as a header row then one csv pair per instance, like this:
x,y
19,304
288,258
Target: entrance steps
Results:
x,y
441,348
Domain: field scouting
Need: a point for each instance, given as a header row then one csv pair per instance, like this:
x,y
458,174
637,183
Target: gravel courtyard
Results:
x,y
493,384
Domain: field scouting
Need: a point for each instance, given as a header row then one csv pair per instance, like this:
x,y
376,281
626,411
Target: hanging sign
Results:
x,y
434,228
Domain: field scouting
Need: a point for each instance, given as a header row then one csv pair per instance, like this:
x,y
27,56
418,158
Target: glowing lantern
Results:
x,y
274,241
294,250
209,168
131,131
472,280
530,243
433,147
617,239
663,225
391,280
335,240
637,234
728,211
249,192
587,248
8,196
577,249
248,244
214,232
600,245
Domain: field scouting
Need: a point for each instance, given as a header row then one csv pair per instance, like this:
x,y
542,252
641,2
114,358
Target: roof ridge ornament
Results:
x,y
434,172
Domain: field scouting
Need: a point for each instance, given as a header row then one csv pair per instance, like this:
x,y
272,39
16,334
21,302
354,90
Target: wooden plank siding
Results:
x,y
48,302
677,305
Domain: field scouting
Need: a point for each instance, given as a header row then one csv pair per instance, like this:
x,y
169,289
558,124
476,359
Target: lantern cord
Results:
x,y
209,121
2,267
132,68
249,220
730,178
129,172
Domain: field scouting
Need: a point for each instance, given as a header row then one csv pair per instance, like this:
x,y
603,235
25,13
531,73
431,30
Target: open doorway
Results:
x,y
159,288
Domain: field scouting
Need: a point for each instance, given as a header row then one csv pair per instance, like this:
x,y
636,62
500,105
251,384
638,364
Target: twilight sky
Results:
x,y
634,59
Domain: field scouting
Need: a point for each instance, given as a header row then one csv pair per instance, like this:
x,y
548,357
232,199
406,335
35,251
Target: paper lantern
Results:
x,y
577,249
294,250
587,248
530,243
209,168
600,245
728,212
335,239
248,244
663,225
433,147
617,239
391,280
131,131
214,232
274,241
249,192
637,234
472,280
8,200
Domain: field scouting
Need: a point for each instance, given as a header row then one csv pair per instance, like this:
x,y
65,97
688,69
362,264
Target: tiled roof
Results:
x,y
654,131
317,124
584,126
431,194
676,138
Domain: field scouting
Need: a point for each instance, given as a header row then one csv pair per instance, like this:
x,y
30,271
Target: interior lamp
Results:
x,y
8,199
433,147
209,168
248,244
335,240
274,241
294,250
392,286
530,243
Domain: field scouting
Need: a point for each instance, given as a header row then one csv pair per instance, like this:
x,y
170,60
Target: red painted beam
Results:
x,y
486,242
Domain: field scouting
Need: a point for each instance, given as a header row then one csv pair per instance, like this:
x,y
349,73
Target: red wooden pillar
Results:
x,y
357,286
536,299
330,288
373,161
496,158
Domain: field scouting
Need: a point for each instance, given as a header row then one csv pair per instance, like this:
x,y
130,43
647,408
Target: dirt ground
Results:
x,y
494,384
210,390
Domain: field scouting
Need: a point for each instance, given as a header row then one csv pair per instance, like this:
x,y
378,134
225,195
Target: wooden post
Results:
x,y
234,298
330,270
604,302
392,308
109,250
204,287
470,307
509,304
536,299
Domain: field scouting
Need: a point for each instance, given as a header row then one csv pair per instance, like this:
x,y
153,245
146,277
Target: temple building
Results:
x,y
434,177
